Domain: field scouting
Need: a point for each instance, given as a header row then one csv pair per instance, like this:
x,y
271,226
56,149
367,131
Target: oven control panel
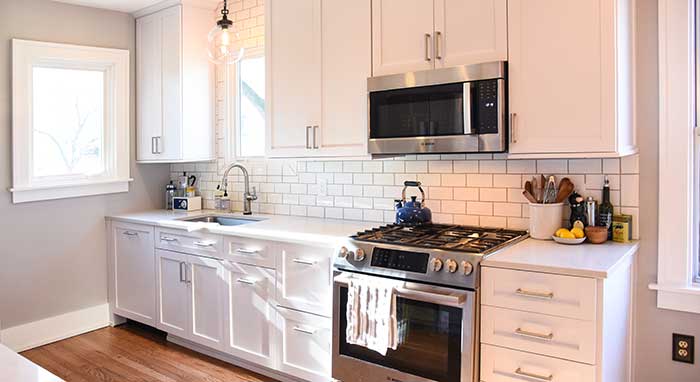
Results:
x,y
400,260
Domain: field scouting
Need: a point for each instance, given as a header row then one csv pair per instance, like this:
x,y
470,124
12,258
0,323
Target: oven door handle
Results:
x,y
433,297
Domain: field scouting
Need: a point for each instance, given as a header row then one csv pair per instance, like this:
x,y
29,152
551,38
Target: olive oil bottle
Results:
x,y
605,209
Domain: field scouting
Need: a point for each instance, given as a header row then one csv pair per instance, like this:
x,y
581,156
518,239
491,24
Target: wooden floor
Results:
x,y
132,352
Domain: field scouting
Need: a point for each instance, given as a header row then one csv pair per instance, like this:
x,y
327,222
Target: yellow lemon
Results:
x,y
578,232
560,231
567,235
578,224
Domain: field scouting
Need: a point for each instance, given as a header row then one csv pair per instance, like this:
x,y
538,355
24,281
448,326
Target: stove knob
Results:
x,y
467,268
343,253
452,265
359,255
437,265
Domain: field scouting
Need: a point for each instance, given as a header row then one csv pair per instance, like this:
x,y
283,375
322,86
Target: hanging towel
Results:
x,y
371,314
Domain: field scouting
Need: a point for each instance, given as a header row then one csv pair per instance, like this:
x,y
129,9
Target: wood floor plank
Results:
x,y
133,353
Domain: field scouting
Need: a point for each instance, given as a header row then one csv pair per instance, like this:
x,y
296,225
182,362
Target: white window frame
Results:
x,y
232,114
678,229
114,63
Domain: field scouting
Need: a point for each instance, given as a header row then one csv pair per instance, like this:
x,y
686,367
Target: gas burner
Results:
x,y
477,240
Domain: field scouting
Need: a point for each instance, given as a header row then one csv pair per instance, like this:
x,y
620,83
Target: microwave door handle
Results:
x,y
467,108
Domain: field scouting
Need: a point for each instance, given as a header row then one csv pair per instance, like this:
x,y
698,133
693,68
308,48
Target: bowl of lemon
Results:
x,y
569,236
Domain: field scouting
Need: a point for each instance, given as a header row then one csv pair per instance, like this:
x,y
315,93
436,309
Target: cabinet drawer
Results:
x,y
538,333
304,279
505,365
306,345
249,251
195,243
565,296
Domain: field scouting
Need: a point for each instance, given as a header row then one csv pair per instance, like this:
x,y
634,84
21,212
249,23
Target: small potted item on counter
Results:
x,y
622,228
597,234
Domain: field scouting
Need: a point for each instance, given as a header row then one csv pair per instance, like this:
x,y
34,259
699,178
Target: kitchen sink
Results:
x,y
223,220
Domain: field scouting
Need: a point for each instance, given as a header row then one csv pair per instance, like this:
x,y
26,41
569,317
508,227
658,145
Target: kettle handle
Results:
x,y
412,183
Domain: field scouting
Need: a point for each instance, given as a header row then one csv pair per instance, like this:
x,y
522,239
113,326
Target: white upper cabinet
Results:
x,y
411,35
570,78
174,86
319,55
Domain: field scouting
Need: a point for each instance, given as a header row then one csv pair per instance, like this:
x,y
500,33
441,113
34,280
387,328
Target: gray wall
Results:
x,y
52,254
654,326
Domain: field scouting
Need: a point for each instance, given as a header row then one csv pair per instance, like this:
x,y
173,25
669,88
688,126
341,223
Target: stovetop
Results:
x,y
477,240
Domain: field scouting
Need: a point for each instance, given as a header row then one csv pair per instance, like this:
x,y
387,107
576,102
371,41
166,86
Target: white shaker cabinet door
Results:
x,y
207,287
305,346
149,118
470,32
173,293
250,324
562,76
402,36
293,75
133,266
170,143
304,279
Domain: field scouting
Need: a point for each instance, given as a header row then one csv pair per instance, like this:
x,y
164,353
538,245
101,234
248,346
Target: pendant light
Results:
x,y
225,44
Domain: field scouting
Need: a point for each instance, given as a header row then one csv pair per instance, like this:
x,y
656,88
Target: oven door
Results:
x,y
437,338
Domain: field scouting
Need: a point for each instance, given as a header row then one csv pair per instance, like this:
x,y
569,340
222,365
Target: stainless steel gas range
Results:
x,y
437,308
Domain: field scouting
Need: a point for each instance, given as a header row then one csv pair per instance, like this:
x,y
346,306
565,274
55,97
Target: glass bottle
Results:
x,y
169,195
605,210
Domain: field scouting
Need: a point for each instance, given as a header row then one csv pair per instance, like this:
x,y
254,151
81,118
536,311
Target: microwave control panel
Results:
x,y
486,100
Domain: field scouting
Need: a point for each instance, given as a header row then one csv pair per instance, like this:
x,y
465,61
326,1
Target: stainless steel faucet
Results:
x,y
248,196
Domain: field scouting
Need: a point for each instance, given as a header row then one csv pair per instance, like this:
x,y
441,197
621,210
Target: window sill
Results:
x,y
680,298
38,193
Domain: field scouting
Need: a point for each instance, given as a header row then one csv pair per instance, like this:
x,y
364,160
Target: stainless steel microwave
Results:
x,y
452,110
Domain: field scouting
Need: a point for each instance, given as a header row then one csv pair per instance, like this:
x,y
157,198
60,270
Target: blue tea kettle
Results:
x,y
412,212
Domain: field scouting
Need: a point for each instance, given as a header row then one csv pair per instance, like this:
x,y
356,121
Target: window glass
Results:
x,y
68,122
251,107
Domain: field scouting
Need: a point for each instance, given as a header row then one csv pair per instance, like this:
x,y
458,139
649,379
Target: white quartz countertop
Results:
x,y
585,260
294,229
15,368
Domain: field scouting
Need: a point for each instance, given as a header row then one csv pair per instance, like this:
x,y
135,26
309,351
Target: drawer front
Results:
x,y
538,333
505,365
305,351
250,251
304,279
194,243
564,296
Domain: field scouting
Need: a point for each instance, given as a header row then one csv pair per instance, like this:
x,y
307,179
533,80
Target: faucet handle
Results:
x,y
253,195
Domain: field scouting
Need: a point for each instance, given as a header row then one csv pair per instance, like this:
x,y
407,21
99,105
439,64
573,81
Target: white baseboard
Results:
x,y
27,336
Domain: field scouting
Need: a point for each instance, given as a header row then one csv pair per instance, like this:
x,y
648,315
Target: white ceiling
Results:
x,y
127,6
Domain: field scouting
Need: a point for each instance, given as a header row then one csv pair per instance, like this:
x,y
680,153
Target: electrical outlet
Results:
x,y
683,348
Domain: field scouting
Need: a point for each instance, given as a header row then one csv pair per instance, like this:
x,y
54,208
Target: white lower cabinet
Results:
x,y
250,315
304,279
506,365
190,297
132,266
305,348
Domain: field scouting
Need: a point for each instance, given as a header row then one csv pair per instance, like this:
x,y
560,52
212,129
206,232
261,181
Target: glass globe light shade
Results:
x,y
225,45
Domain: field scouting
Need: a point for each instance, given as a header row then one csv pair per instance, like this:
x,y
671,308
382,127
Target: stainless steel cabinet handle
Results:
x,y
316,131
308,133
246,281
203,244
247,251
304,330
182,272
304,262
528,293
520,371
513,138
438,43
168,239
153,145
131,233
427,47
539,336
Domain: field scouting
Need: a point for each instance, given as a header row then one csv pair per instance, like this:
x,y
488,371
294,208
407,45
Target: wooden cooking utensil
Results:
x,y
566,187
529,196
528,187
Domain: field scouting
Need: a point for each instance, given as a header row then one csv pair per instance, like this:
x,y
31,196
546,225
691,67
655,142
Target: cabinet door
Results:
x,y
173,293
149,121
170,141
250,323
207,287
306,345
561,76
346,47
133,267
294,75
304,279
402,36
470,32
